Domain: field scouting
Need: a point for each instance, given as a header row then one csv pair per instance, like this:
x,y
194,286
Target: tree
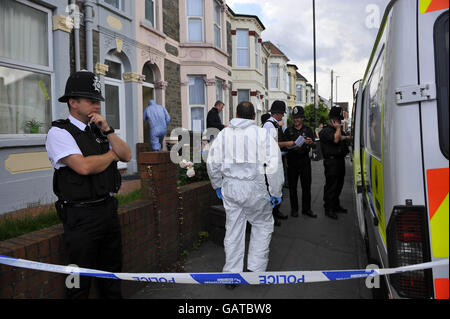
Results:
x,y
321,114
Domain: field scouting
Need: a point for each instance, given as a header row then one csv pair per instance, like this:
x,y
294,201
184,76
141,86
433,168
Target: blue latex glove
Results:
x,y
219,192
275,201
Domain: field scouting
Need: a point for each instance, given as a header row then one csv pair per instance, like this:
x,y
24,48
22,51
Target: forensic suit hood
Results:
x,y
238,158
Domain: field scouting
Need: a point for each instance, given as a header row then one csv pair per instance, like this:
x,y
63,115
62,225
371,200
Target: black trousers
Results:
x,y
93,239
334,182
300,167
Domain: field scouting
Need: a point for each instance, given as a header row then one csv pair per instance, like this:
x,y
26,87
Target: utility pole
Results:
x,y
316,94
337,76
331,99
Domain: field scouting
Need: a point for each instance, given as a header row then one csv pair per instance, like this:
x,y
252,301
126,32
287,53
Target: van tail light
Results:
x,y
408,244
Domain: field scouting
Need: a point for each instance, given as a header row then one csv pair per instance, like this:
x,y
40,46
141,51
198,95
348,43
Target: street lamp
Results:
x,y
316,94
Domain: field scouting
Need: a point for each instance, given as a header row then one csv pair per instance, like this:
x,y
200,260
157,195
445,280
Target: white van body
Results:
x,y
401,151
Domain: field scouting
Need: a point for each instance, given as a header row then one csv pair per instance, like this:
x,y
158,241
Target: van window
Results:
x,y
374,107
442,74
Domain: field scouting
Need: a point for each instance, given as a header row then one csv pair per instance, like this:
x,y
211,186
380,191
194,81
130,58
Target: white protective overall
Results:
x,y
237,161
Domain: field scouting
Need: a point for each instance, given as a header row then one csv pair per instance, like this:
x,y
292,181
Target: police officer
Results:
x,y
299,163
334,149
277,111
84,151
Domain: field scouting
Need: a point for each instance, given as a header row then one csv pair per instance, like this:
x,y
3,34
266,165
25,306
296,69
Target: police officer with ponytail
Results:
x,y
84,151
334,143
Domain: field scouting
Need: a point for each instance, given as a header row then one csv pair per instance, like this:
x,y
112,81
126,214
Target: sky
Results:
x,y
345,34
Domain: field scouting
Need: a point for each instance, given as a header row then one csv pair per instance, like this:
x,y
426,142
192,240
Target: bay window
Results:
x,y
195,20
25,67
217,25
242,48
197,103
274,76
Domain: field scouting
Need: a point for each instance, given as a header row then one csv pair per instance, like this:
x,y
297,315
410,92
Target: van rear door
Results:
x,y
433,45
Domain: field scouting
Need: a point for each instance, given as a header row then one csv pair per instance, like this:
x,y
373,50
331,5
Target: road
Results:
x,y
301,243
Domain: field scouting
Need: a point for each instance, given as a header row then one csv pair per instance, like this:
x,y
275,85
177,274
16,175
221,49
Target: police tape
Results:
x,y
243,278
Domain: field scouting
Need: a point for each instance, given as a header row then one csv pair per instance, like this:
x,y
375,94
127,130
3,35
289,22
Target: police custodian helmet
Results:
x,y
278,107
83,84
298,111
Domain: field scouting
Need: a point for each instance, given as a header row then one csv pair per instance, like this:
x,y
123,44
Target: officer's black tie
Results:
x,y
89,131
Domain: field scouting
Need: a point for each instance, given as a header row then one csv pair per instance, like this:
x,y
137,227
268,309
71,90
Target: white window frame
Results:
x,y
38,68
201,18
152,24
256,53
274,75
197,105
288,83
218,24
121,5
122,107
242,48
242,90
220,95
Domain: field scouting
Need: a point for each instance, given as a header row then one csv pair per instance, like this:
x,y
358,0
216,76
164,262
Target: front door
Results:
x,y
147,95
115,108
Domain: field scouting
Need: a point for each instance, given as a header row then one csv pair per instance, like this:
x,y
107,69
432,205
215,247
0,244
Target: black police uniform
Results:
x,y
334,164
299,164
276,210
85,206
277,107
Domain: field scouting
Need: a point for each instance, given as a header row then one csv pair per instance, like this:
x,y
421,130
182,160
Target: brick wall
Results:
x,y
154,234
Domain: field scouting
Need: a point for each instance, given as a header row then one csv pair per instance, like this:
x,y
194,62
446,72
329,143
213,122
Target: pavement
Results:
x,y
301,243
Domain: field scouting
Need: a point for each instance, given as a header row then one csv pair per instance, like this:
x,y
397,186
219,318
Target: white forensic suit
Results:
x,y
237,161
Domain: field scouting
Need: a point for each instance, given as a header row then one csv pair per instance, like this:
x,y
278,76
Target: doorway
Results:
x,y
148,93
115,99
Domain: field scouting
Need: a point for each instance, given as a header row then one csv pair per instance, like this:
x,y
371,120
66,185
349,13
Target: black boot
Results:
x,y
309,213
330,214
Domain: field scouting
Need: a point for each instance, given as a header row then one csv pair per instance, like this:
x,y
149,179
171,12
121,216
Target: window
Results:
x,y
274,76
374,108
220,95
288,82
243,95
299,93
118,4
25,67
242,48
195,20
442,73
150,12
256,53
114,70
264,72
197,102
217,25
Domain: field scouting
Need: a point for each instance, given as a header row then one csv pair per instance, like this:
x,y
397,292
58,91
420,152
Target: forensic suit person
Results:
x,y
241,158
158,119
84,151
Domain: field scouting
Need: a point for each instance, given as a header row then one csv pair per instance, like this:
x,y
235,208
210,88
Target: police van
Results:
x,y
400,126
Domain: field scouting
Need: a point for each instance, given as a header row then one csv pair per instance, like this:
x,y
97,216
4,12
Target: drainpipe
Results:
x,y
88,18
76,26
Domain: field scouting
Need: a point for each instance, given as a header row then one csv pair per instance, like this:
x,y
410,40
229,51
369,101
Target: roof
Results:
x,y
247,16
272,48
301,77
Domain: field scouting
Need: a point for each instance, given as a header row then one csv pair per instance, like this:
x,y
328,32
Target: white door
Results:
x,y
115,108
